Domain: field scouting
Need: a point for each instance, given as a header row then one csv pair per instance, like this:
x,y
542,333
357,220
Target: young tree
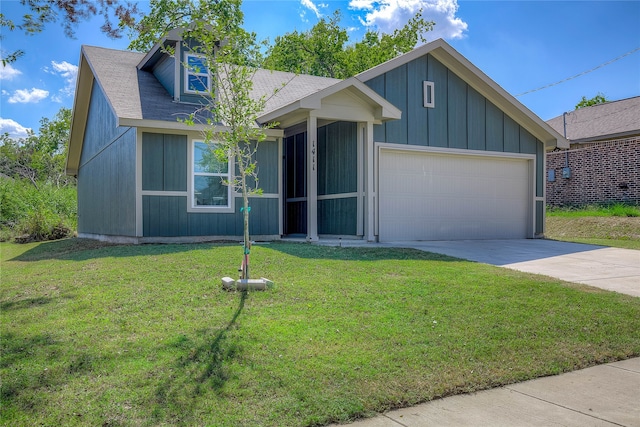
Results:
x,y
39,13
323,50
213,31
598,99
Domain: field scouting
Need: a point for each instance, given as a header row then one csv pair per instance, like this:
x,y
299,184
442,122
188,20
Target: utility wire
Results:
x,y
581,74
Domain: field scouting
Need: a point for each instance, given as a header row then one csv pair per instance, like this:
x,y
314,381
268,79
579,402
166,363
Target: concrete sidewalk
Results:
x,y
605,395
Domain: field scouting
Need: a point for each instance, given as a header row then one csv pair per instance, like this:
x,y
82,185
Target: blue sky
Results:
x,y
522,45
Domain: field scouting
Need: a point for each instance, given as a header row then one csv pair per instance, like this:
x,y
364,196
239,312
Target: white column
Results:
x,y
362,179
312,178
370,194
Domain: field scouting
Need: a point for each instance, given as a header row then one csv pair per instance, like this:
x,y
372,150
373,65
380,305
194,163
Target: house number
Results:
x,y
313,155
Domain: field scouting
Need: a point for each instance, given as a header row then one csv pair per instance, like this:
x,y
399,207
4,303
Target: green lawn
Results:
x,y
94,334
613,225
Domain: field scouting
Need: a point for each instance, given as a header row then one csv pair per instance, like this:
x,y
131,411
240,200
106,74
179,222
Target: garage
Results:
x,y
432,195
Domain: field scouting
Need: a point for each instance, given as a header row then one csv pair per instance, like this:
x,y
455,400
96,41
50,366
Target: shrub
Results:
x,y
28,213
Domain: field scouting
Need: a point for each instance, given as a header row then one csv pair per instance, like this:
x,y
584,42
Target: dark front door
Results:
x,y
295,184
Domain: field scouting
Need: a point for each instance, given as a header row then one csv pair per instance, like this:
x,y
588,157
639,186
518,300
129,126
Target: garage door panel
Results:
x,y
426,196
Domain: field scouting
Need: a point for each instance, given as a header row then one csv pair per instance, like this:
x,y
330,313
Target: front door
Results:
x,y
295,185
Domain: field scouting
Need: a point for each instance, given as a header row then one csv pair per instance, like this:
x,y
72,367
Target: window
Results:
x,y
208,175
196,74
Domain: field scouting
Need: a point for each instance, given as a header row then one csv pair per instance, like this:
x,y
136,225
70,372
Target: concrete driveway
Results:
x,y
603,267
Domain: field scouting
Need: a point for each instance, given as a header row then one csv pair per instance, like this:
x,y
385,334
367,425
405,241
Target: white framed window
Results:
x,y
197,77
429,100
207,189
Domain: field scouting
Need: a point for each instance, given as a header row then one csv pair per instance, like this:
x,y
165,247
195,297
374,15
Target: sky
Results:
x,y
549,54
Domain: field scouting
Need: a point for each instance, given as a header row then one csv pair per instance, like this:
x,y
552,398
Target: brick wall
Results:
x,y
600,172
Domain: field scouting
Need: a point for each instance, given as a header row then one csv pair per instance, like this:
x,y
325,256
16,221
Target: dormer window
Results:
x,y
197,78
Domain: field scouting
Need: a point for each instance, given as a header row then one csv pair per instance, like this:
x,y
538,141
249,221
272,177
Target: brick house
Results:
x,y
602,164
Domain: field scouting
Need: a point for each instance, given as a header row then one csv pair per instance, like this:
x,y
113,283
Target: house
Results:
x,y
602,164
423,147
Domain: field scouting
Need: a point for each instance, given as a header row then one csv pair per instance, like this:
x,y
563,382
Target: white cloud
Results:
x,y
7,72
26,96
311,6
13,128
68,72
389,15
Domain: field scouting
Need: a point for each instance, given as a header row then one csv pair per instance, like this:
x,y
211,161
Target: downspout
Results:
x,y
566,153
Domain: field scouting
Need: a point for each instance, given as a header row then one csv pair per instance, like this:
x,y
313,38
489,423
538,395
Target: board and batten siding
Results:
x,y
106,174
461,119
167,216
165,169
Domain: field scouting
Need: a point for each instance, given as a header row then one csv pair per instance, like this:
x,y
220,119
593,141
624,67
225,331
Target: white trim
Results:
x,y
229,208
139,219
384,146
280,186
165,193
370,179
339,196
163,126
312,179
384,111
360,180
176,72
188,72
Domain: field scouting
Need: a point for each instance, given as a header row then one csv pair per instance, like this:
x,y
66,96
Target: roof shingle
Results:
x,y
610,120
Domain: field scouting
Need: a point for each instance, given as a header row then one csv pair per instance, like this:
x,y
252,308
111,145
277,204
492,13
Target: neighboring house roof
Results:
x,y
611,120
457,63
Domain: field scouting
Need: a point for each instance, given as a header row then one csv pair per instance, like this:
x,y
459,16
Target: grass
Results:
x,y
96,334
605,210
609,225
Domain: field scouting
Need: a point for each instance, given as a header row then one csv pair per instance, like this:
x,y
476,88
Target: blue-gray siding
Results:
x,y
106,176
167,216
164,168
462,118
165,72
164,162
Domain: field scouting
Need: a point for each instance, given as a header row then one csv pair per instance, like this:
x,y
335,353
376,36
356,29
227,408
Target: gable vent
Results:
x,y
428,94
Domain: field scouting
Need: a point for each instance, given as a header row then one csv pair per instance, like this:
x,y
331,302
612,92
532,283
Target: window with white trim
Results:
x,y
209,190
197,78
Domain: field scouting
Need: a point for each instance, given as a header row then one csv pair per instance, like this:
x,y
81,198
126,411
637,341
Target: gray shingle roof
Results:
x,y
137,94
616,119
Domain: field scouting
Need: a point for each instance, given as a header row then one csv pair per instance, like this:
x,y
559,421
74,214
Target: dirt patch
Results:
x,y
625,228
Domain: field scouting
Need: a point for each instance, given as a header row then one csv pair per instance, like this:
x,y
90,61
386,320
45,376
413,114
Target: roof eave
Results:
x,y
177,125
384,109
84,84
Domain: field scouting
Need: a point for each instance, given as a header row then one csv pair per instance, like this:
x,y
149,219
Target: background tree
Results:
x,y
41,157
324,49
598,99
39,13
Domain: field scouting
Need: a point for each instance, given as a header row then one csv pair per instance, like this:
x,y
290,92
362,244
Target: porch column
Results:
x,y
362,178
369,231
312,178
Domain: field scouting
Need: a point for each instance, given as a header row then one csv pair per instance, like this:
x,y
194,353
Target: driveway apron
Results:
x,y
613,269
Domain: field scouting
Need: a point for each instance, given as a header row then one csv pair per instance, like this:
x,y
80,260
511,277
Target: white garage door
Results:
x,y
427,196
